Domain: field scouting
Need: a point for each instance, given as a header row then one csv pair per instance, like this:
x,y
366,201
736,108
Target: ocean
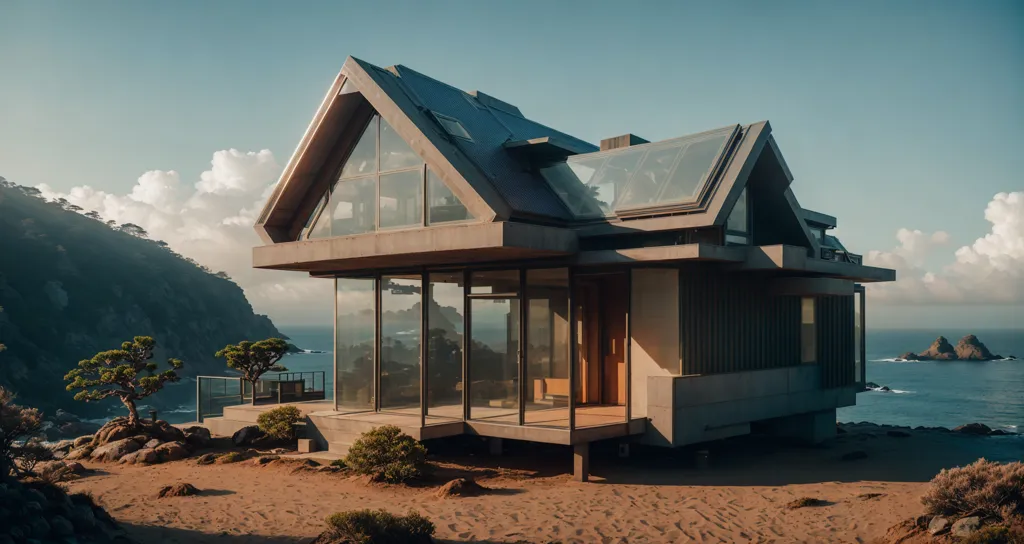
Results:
x,y
931,394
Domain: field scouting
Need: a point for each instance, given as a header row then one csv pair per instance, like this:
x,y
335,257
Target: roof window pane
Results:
x,y
694,167
651,178
363,159
395,154
453,126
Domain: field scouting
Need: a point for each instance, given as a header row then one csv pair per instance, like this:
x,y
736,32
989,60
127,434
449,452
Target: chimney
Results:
x,y
618,142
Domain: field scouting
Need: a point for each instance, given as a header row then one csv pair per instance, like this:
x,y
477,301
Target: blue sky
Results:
x,y
890,114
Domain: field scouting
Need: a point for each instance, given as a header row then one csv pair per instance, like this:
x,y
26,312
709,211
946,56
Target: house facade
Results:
x,y
497,277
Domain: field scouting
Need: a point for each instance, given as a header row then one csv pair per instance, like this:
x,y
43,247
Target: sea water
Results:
x,y
935,393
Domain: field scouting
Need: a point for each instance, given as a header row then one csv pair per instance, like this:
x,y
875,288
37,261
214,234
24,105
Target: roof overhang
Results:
x,y
795,259
545,149
682,252
448,244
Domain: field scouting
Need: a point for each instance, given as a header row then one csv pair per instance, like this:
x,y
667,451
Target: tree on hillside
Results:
x,y
19,430
134,230
30,191
112,224
125,373
254,359
94,215
73,208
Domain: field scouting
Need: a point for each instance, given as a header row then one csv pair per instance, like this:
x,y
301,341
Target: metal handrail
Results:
x,y
233,391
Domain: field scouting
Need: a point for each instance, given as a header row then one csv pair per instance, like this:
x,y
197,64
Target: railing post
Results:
x,y
199,400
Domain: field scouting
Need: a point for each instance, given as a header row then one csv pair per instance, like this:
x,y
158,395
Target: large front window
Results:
x,y
383,184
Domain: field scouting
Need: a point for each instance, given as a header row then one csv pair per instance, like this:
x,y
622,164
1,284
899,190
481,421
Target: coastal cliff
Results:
x,y
72,285
969,348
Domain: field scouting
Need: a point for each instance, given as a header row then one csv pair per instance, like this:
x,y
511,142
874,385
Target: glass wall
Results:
x,y
858,335
547,352
445,331
494,346
400,324
354,340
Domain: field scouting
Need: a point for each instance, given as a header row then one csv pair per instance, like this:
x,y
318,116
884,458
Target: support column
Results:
x,y
494,445
581,462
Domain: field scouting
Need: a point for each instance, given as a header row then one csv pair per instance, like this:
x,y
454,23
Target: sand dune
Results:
x,y
651,497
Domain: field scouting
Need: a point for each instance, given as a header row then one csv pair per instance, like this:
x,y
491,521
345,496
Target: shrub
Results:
x,y
983,487
279,423
387,454
380,527
20,445
340,463
997,534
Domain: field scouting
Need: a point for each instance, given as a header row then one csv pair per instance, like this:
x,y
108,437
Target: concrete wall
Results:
x,y
691,409
654,316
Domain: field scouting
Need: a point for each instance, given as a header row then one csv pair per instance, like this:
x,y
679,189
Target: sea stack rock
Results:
x,y
940,349
909,356
969,348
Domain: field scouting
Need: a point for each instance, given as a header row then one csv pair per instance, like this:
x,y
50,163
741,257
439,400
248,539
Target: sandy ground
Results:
x,y
653,496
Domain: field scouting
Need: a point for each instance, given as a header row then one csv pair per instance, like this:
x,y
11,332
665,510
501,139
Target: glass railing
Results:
x,y
214,393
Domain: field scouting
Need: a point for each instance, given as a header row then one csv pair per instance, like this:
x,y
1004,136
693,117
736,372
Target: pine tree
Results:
x,y
254,359
125,373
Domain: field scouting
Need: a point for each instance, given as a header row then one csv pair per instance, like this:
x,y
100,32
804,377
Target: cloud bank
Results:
x,y
989,271
210,220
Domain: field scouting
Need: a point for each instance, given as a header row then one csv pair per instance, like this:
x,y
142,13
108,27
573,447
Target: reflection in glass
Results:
x,y
322,227
493,359
395,154
363,158
443,205
490,282
445,325
737,221
400,343
808,331
669,172
547,354
858,331
401,199
354,339
352,206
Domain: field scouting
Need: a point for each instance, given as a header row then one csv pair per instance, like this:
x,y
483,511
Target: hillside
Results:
x,y
71,285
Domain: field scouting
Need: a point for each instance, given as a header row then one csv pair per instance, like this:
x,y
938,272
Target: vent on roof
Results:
x,y
492,102
452,126
626,140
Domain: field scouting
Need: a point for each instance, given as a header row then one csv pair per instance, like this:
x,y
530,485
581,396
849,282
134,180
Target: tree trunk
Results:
x,y
253,384
133,413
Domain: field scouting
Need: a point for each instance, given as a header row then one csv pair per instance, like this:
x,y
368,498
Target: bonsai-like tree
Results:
x,y
125,373
254,359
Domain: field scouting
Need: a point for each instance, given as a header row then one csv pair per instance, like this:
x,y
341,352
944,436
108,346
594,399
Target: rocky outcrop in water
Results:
x,y
969,348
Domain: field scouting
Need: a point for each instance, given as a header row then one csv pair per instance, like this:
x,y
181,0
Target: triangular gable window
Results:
x,y
737,226
382,185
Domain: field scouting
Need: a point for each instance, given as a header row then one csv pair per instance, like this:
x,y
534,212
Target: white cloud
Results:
x,y
211,222
989,271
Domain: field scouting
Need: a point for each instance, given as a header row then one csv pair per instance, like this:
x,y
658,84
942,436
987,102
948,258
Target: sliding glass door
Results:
x,y
494,346
354,342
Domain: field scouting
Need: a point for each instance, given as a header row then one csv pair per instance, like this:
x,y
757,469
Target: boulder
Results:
x,y
871,385
79,453
145,456
164,432
77,428
207,458
151,444
978,429
885,389
171,451
177,490
938,525
460,487
969,348
82,440
909,356
940,349
265,459
246,435
114,430
113,451
965,527
75,467
197,437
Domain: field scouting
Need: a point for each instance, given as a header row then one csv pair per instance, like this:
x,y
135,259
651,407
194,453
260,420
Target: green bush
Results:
x,y
997,534
388,455
340,463
380,527
279,423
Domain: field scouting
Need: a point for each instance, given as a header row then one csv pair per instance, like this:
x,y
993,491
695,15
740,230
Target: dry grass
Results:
x,y
981,488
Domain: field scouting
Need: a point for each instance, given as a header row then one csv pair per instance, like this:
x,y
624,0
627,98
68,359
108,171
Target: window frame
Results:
x,y
809,331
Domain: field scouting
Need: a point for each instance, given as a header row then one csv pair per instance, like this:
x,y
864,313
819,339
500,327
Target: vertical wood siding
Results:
x,y
836,340
729,323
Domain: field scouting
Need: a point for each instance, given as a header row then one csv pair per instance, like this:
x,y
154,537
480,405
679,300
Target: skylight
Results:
x,y
453,126
641,176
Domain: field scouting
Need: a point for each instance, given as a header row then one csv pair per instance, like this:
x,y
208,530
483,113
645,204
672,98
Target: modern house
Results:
x,y
497,277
